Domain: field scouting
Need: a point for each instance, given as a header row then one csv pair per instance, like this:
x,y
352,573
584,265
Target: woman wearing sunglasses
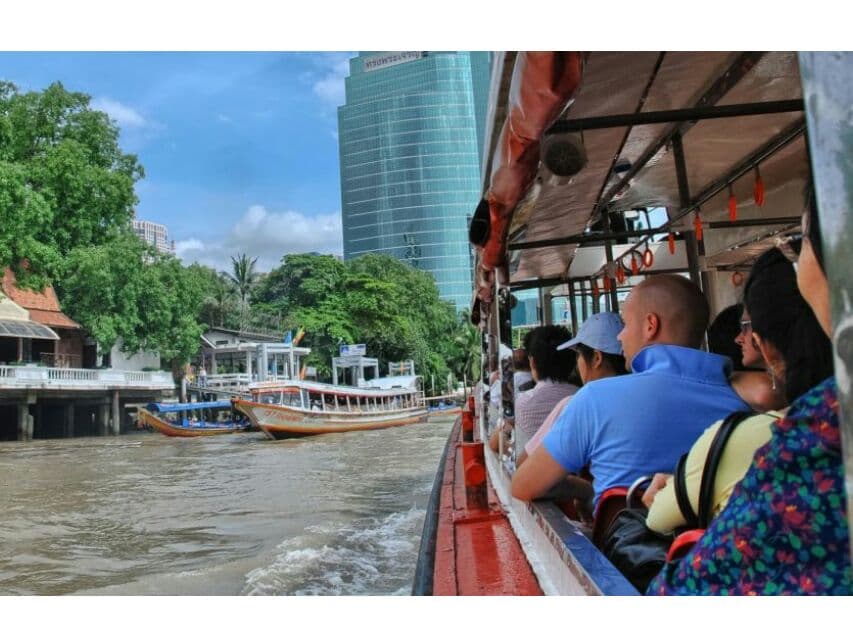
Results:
x,y
784,529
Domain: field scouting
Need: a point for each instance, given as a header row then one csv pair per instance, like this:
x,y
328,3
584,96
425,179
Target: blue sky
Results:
x,y
239,149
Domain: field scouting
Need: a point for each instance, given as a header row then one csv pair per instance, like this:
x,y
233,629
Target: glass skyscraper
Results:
x,y
410,137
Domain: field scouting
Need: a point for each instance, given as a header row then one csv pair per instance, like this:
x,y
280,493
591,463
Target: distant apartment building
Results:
x,y
410,138
154,234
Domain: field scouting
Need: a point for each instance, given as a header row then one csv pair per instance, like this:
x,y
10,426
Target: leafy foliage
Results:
x,y
124,289
375,299
64,181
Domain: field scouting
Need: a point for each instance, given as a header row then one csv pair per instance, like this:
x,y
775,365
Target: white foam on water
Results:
x,y
366,556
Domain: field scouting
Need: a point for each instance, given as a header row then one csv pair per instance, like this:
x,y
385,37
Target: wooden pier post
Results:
x,y
68,427
23,422
104,418
116,414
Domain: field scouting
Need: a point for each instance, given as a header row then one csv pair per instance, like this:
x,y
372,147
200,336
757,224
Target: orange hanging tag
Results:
x,y
670,239
758,189
606,284
620,273
648,257
595,290
697,226
732,205
635,268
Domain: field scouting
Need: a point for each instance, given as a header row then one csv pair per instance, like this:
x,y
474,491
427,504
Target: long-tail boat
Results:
x,y
187,419
295,408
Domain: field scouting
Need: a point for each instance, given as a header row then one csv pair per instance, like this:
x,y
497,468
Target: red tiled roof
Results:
x,y
53,319
43,305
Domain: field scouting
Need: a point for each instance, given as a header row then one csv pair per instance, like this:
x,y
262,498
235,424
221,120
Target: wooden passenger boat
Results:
x,y
183,423
575,143
299,408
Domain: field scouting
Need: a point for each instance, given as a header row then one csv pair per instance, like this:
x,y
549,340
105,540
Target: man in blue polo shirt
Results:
x,y
628,426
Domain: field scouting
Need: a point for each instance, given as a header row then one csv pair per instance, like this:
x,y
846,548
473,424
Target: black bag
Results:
x,y
637,551
640,553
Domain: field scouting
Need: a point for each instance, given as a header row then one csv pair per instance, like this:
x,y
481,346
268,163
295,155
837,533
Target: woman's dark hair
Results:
x,y
613,361
781,317
550,363
813,230
722,333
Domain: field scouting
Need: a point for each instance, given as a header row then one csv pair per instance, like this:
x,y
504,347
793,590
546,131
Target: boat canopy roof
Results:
x,y
621,113
393,382
164,407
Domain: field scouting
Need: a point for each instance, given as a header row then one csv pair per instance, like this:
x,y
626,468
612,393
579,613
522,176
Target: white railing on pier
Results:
x,y
221,380
59,377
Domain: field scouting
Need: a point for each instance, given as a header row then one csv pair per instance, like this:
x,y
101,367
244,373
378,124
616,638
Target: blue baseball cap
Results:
x,y
599,332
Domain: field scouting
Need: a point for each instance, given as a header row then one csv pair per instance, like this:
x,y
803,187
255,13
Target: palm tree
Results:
x,y
243,276
468,341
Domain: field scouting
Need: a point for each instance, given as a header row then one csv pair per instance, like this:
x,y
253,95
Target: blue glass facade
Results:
x,y
410,136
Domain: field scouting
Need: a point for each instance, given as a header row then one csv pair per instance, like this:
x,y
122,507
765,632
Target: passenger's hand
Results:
x,y
658,482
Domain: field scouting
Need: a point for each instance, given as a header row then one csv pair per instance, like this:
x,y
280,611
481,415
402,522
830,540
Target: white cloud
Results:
x,y
124,115
268,236
330,88
183,247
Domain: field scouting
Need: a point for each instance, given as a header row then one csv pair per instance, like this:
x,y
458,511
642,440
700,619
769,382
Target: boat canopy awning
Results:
x,y
631,116
26,329
166,407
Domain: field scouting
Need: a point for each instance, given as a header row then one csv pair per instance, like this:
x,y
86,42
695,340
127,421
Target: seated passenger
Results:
x,y
723,335
627,426
798,356
784,529
599,355
755,386
522,378
551,370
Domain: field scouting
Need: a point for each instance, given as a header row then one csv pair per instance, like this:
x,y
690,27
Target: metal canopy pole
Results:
x,y
572,308
691,245
828,89
608,254
692,115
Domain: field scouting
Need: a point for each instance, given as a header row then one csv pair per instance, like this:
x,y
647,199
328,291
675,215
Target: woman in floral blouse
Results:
x,y
784,530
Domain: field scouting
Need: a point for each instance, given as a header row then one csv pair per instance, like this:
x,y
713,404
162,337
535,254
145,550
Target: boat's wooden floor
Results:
x,y
476,551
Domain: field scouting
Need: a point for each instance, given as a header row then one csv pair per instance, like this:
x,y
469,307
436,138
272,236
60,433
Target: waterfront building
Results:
x,y
409,137
48,384
154,234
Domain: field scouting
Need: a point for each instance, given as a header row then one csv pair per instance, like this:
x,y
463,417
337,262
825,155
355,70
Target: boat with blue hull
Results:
x,y
192,419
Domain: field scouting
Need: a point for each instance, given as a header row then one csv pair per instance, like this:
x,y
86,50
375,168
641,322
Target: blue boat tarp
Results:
x,y
163,407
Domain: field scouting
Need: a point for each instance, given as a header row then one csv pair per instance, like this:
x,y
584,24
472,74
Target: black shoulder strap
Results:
x,y
681,495
712,462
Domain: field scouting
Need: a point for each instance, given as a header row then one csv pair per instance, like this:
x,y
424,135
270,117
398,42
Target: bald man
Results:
x,y
640,424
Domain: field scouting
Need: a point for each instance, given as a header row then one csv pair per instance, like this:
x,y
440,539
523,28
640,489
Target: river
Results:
x,y
227,515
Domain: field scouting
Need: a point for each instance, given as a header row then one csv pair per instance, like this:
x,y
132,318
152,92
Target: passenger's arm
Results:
x,y
537,476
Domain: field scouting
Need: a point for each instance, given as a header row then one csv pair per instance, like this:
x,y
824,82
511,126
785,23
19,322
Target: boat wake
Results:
x,y
368,555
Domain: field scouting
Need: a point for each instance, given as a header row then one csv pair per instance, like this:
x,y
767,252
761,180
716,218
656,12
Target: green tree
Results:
x,y
63,159
220,305
243,277
124,290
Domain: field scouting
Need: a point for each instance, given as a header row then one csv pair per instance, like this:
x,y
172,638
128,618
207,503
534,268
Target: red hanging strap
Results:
x,y
635,268
595,289
670,239
648,257
697,226
732,205
620,273
758,188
